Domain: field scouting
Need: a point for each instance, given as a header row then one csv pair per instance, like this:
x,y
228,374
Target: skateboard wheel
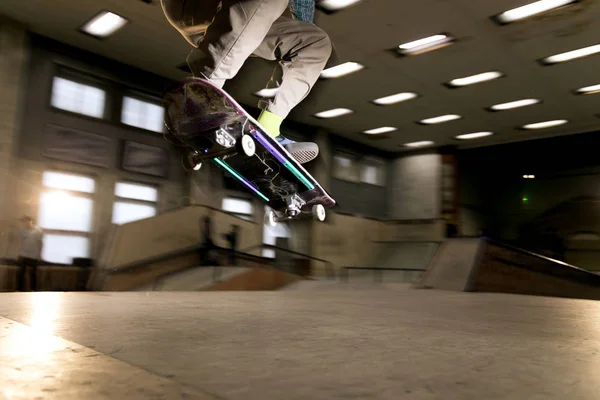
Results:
x,y
270,219
248,145
318,212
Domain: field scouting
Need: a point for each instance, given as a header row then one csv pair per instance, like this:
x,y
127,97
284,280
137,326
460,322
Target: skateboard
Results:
x,y
212,127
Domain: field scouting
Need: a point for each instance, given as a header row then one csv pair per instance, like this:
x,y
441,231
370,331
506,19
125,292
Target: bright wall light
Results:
x,y
530,10
473,79
378,131
528,176
474,135
426,44
267,93
514,104
571,55
546,124
341,70
104,24
440,119
422,143
334,5
395,98
589,90
336,112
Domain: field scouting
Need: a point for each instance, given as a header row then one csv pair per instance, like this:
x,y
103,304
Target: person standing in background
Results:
x,y
30,252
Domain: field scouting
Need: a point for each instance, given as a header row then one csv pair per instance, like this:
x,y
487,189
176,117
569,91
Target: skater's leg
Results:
x,y
302,50
234,31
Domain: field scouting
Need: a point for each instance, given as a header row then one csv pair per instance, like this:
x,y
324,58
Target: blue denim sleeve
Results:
x,y
303,10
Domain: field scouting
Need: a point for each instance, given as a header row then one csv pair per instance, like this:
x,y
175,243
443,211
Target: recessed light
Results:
x,y
104,24
426,44
571,55
334,5
336,112
419,144
545,124
530,10
473,79
395,98
383,129
514,104
341,70
589,90
267,92
474,135
440,119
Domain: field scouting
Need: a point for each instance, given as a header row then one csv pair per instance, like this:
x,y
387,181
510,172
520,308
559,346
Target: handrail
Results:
x,y
330,270
190,249
376,272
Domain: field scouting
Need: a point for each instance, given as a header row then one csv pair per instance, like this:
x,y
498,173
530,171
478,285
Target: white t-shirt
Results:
x,y
31,240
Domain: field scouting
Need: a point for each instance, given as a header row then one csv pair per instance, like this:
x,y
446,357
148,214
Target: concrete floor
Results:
x,y
323,343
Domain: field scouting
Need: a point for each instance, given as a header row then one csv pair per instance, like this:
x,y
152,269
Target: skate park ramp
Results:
x,y
485,265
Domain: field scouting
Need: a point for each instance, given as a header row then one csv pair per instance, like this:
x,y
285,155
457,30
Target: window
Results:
x,y
142,114
271,233
239,207
345,168
372,172
66,215
135,201
78,98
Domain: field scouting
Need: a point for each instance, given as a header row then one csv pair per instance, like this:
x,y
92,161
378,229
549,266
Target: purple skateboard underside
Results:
x,y
195,109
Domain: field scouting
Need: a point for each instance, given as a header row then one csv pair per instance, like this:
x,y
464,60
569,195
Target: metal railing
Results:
x,y
328,264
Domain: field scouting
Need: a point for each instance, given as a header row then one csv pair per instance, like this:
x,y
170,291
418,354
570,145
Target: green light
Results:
x,y
525,199
239,177
299,175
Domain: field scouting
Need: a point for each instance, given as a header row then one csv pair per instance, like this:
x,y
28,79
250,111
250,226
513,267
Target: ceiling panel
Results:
x,y
367,33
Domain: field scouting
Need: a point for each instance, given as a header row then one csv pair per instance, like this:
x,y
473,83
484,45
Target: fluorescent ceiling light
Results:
x,y
589,90
267,93
336,112
475,135
341,70
473,79
104,24
528,176
546,124
383,129
529,10
440,119
572,55
395,98
514,104
419,144
426,44
333,5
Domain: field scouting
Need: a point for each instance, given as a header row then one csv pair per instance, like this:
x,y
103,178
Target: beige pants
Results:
x,y
226,32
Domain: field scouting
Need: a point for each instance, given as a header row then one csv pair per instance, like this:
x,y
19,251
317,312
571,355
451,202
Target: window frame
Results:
x,y
251,217
120,199
87,80
143,97
89,236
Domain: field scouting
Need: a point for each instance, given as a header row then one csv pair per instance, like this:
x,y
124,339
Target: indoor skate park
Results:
x,y
461,260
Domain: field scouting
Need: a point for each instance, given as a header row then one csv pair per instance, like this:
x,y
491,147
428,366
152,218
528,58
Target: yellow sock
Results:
x,y
271,122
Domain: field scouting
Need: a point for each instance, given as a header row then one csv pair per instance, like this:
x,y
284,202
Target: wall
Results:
x,y
13,60
415,187
47,57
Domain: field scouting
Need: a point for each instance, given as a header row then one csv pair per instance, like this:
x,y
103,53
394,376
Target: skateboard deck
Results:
x,y
213,127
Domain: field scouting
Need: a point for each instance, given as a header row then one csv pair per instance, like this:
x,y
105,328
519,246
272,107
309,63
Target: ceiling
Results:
x,y
365,33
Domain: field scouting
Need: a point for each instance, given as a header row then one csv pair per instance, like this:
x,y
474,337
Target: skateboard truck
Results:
x,y
224,138
293,209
